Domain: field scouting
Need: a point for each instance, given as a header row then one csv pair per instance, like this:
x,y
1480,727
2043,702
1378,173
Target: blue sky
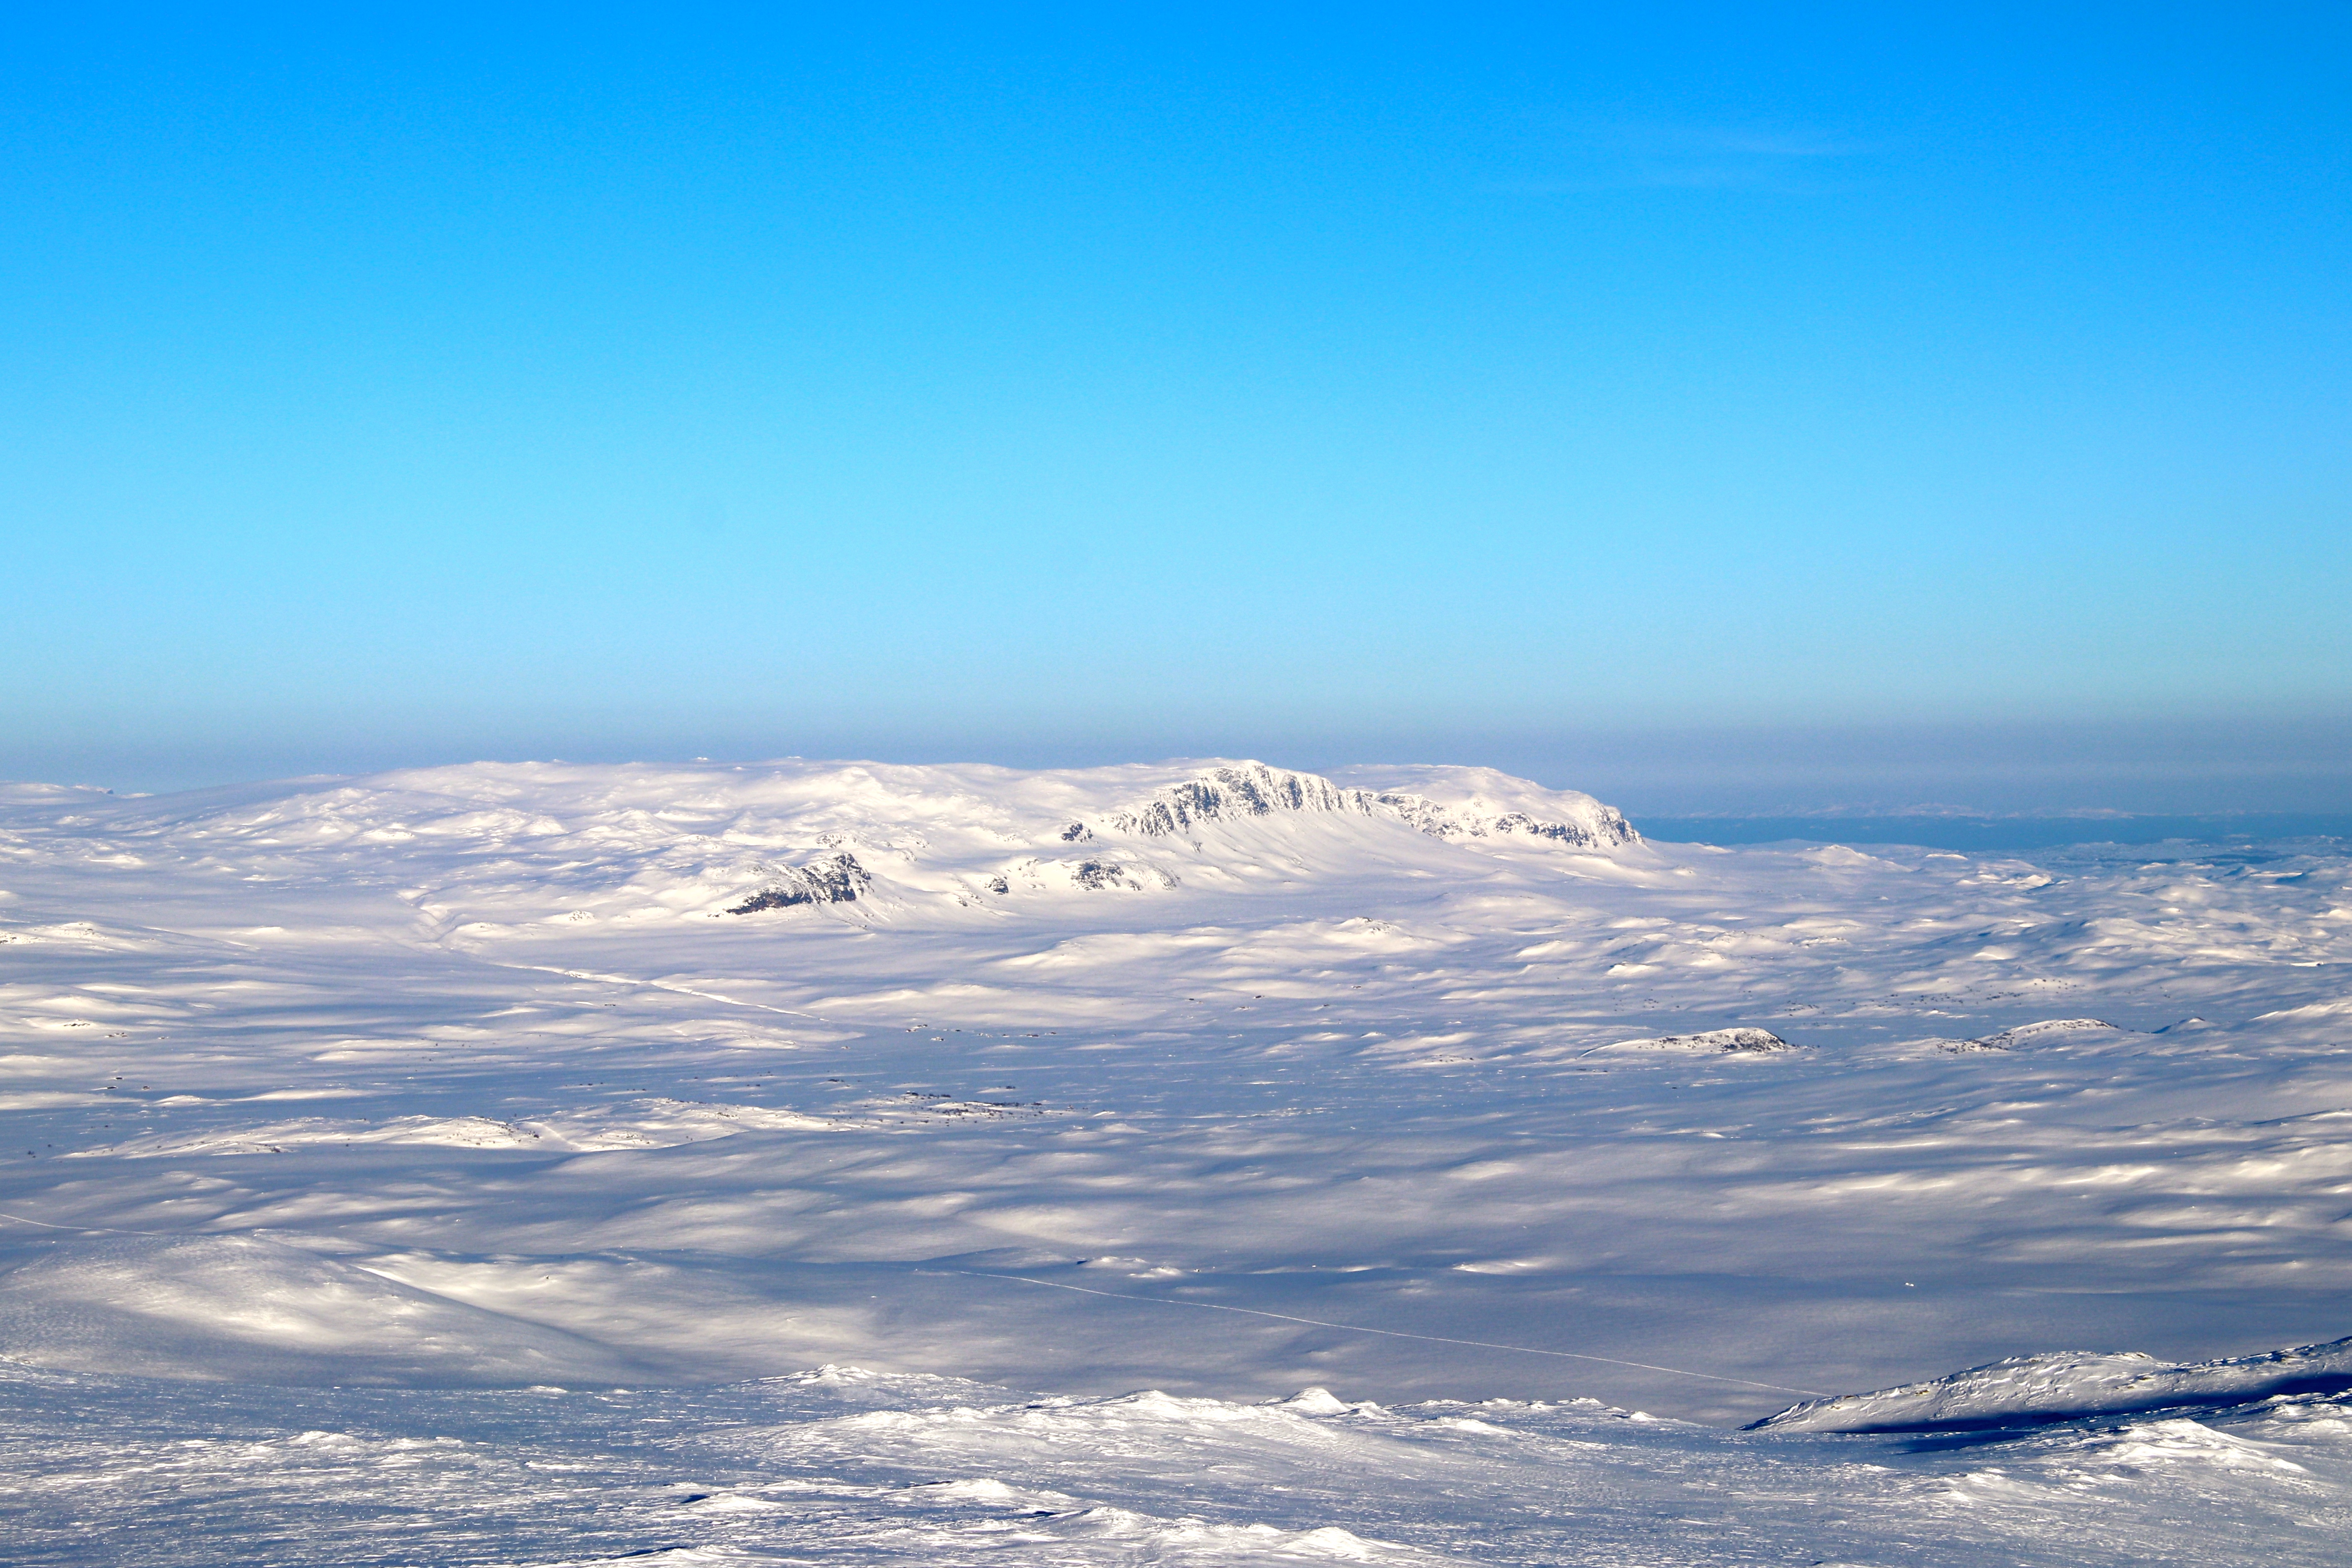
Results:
x,y
1053,386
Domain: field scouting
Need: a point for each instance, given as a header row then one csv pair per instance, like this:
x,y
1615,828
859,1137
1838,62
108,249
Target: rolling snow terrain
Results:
x,y
811,1162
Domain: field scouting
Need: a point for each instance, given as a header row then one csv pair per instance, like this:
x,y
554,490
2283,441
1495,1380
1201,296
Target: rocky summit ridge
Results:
x,y
1253,789
1120,840
488,847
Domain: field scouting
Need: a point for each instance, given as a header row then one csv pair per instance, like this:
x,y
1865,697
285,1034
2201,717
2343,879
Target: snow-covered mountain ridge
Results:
x,y
1232,791
654,842
1211,1078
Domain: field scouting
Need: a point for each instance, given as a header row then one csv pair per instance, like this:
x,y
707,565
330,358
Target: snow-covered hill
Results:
x,y
520,841
1421,1084
2024,1391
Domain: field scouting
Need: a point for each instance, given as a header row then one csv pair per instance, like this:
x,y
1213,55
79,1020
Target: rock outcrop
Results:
x,y
828,879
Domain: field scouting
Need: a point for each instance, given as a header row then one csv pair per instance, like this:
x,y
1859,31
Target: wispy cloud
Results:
x,y
1631,155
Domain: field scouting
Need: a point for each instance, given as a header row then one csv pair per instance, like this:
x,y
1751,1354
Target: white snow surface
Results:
x,y
2022,1390
435,1167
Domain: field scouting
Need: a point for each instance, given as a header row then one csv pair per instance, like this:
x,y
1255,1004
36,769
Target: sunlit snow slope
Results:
x,y
1416,1083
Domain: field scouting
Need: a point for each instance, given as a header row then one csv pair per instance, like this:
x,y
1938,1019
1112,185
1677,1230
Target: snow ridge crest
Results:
x,y
2025,1390
1225,795
1253,789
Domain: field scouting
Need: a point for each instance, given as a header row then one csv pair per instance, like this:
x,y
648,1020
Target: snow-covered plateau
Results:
x,y
1196,1164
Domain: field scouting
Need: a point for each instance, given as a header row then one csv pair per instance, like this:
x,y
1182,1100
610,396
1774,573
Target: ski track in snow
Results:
x,y
434,1167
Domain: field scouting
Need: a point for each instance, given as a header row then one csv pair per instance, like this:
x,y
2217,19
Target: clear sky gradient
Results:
x,y
1320,384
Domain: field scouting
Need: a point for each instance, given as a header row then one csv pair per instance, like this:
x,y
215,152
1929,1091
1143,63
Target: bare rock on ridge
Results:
x,y
2049,1031
1707,1040
1225,795
1255,790
828,879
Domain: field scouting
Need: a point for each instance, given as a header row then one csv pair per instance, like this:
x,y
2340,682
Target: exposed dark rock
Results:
x,y
829,880
1737,1039
1227,794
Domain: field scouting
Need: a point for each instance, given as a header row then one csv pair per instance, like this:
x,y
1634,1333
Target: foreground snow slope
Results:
x,y
1418,1083
841,1466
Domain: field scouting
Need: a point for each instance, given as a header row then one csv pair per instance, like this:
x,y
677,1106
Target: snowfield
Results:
x,y
471,1164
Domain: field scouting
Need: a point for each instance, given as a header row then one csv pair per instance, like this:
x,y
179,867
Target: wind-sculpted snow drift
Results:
x,y
2028,1390
398,1095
